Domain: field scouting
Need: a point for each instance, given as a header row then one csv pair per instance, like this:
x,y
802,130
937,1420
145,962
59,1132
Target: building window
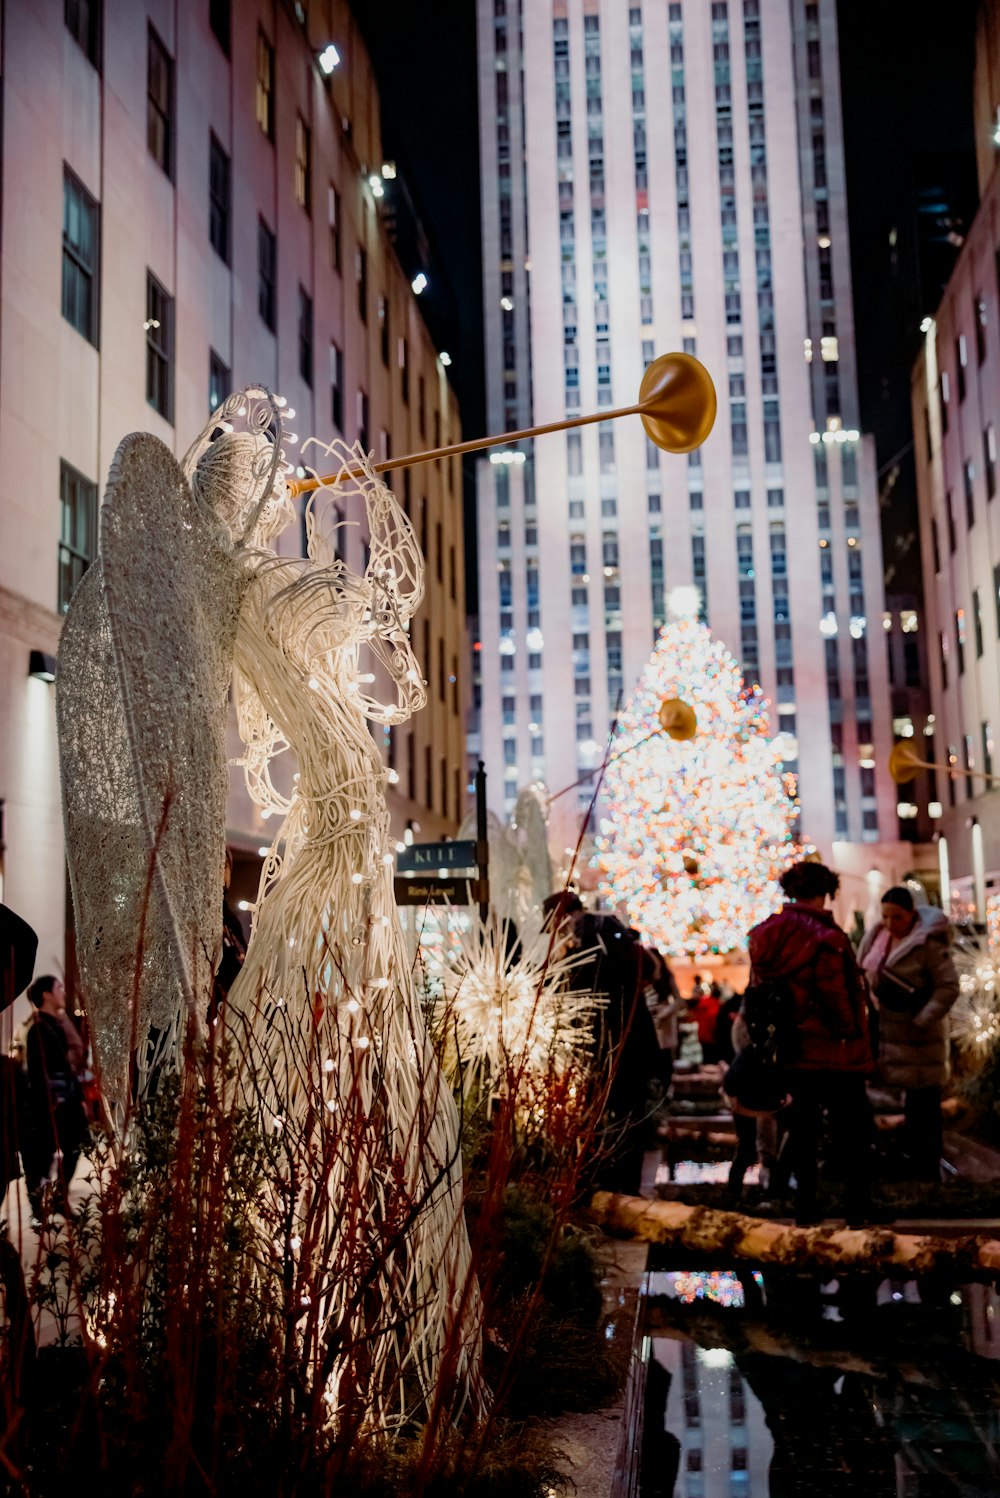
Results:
x,y
218,19
219,198
990,460
81,241
303,164
361,273
267,275
362,414
383,327
943,657
159,348
78,531
337,387
265,85
987,735
979,322
306,336
968,474
83,22
333,211
160,103
219,376
404,370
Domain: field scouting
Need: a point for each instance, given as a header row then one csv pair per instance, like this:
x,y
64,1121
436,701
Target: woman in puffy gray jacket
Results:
x,y
914,984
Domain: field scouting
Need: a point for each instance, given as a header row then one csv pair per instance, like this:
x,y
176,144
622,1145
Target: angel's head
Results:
x,y
237,478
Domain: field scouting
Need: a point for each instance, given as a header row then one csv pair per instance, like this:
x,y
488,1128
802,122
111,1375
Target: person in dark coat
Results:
x,y
912,975
627,1048
18,946
56,1123
804,949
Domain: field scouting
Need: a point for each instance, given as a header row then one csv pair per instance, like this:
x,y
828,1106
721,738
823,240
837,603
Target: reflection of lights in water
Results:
x,y
710,1173
714,1357
718,1285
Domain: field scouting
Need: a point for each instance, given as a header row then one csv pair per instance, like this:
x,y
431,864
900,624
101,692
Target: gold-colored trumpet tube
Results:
x,y
677,404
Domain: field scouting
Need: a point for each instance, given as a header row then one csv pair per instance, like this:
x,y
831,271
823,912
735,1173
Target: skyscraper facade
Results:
x,y
662,176
956,415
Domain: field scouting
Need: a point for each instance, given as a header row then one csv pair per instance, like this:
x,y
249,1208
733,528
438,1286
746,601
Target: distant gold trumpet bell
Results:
x,y
678,719
904,762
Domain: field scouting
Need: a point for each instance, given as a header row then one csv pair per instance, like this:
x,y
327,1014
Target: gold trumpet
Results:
x,y
904,762
676,402
677,719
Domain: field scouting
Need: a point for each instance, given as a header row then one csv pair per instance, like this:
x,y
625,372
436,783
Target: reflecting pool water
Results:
x,y
781,1385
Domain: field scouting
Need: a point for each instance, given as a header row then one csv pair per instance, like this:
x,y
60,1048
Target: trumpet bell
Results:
x,y
677,719
904,762
677,402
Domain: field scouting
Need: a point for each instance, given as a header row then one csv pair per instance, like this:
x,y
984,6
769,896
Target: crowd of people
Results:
x,y
799,1051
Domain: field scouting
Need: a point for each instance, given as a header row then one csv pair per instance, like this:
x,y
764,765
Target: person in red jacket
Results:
x,y
803,948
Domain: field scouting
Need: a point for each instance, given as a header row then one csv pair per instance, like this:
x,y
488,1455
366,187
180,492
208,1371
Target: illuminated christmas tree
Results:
x,y
695,832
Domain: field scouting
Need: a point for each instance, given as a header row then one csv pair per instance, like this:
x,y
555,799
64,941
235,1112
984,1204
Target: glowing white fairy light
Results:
x,y
499,1012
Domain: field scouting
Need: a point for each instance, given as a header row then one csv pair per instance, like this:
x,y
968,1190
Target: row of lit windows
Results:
x,y
827,372
681,163
968,489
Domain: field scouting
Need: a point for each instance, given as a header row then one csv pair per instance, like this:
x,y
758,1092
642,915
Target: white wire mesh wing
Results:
x,y
145,667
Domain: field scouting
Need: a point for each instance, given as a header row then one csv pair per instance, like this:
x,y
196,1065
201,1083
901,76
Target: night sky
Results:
x,y
907,85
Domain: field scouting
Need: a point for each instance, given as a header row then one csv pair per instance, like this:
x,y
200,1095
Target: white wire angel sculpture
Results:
x,y
326,976
325,992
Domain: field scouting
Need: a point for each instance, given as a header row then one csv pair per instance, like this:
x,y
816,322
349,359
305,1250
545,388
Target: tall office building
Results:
x,y
956,419
661,176
191,201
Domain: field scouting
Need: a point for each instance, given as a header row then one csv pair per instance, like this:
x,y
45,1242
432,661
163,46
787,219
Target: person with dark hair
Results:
x,y
626,1050
802,951
56,1124
810,881
913,980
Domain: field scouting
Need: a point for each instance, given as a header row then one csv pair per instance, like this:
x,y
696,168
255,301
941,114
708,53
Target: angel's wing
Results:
x,y
533,837
145,666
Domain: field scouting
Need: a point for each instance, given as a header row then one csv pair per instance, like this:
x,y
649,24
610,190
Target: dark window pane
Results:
x,y
218,381
305,336
267,266
78,530
159,348
219,20
83,22
219,198
159,103
80,257
337,387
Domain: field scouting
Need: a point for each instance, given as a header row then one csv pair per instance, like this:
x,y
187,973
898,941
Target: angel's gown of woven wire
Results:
x,y
325,1004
